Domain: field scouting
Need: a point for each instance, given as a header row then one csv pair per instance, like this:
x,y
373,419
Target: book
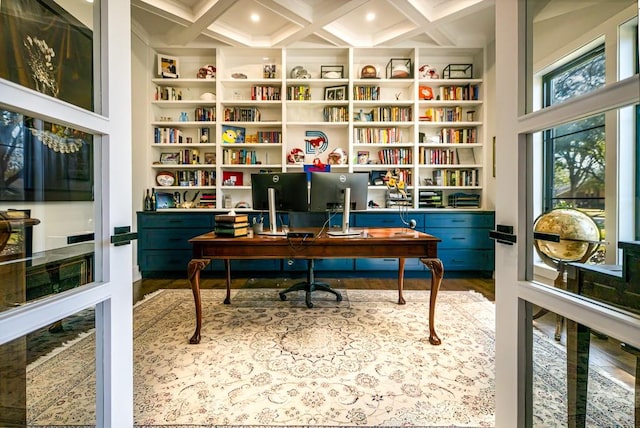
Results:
x,y
242,231
231,225
232,218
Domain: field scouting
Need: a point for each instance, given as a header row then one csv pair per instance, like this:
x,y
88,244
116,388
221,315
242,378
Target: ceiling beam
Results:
x,y
416,15
208,14
320,19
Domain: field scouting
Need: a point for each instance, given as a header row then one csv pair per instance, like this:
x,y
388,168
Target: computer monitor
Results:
x,y
339,191
279,191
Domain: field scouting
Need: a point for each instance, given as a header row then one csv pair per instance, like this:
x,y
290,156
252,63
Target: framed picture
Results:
x,y
232,178
332,71
210,158
168,66
336,93
172,158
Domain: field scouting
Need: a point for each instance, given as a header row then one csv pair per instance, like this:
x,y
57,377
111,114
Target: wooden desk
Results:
x,y
372,243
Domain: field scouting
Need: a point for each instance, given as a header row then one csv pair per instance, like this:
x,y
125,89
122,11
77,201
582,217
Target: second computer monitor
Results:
x,y
327,190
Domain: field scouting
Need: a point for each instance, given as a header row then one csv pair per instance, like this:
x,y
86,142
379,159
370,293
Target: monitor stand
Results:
x,y
346,231
273,226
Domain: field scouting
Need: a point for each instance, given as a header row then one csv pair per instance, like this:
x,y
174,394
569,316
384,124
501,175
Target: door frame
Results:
x,y
112,295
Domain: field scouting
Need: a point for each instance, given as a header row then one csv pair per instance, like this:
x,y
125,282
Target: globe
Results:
x,y
579,236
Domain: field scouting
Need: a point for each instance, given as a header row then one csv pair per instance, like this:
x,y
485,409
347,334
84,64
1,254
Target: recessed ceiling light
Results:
x,y
255,17
371,16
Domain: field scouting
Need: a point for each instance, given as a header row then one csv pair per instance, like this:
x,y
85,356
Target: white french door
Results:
x,y
72,190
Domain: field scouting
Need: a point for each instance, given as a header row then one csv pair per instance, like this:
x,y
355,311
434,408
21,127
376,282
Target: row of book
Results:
x,y
199,177
429,156
384,114
265,93
335,114
205,114
455,177
458,136
366,93
234,225
443,114
299,93
459,93
399,156
377,135
241,114
239,157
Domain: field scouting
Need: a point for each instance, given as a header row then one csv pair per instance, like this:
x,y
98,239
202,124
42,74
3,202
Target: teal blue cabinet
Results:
x,y
465,245
163,243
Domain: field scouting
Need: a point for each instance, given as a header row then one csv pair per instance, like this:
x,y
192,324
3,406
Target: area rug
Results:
x,y
365,361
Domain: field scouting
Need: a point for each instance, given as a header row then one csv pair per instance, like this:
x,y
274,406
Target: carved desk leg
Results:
x,y
227,267
437,271
193,271
401,300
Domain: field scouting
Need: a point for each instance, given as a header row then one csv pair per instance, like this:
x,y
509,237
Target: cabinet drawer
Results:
x,y
166,261
462,238
459,220
243,266
455,260
388,264
182,220
168,239
300,265
388,220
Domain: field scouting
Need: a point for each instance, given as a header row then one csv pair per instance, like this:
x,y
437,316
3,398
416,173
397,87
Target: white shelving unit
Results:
x,y
266,103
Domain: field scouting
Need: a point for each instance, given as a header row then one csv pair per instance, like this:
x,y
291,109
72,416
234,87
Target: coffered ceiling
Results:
x,y
193,23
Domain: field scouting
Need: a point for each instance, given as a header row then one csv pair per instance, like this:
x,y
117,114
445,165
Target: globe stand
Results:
x,y
560,283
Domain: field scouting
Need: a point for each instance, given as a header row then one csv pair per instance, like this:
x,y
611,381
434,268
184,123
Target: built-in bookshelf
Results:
x,y
279,109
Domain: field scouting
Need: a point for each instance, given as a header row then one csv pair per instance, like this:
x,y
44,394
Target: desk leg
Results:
x,y
401,300
578,341
193,271
437,271
227,267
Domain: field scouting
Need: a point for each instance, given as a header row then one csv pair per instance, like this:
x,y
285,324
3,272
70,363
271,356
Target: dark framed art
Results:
x,y
336,93
45,48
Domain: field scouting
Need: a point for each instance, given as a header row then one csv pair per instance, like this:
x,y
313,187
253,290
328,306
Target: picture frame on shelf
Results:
x,y
336,93
269,71
232,178
332,71
168,66
210,158
170,158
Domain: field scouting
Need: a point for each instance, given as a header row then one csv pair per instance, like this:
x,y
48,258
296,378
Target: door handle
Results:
x,y
122,235
503,234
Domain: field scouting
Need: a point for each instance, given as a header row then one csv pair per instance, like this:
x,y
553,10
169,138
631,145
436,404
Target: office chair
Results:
x,y
297,222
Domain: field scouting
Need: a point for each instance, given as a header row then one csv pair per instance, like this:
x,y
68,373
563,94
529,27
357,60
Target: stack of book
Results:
x,y
208,200
235,225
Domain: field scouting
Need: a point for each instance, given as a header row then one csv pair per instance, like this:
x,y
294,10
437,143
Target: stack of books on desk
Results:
x,y
235,225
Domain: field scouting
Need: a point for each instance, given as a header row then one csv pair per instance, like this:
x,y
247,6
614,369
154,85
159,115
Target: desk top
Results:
x,y
371,242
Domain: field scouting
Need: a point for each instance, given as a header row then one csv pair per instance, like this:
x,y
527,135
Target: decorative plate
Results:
x,y
165,178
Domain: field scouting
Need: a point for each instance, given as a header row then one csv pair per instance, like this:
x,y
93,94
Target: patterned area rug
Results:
x,y
262,362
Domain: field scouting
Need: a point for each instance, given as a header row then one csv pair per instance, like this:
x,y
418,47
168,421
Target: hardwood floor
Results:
x,y
605,352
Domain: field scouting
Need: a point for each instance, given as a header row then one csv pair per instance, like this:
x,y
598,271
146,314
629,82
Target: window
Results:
x,y
574,153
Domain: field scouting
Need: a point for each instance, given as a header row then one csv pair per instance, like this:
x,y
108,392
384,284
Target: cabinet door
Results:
x,y
388,264
388,219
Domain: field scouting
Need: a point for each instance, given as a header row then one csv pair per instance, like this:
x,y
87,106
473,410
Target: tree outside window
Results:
x,y
574,153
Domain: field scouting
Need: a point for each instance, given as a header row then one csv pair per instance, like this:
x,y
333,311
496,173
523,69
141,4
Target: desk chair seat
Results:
x,y
301,220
